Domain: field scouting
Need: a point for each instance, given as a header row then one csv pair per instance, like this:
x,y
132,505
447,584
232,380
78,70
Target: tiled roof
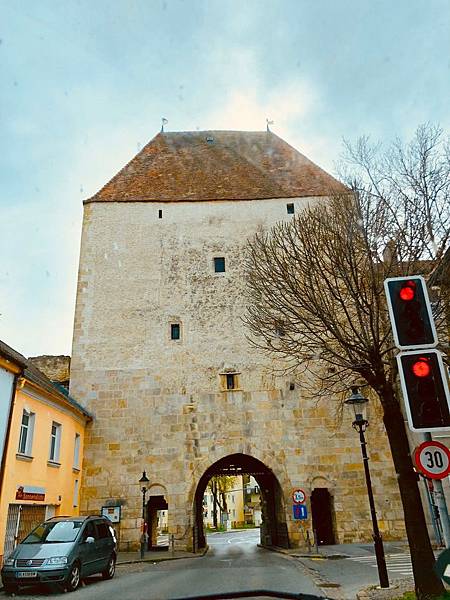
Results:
x,y
33,374
217,165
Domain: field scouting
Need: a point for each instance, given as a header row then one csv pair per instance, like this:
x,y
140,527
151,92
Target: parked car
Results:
x,y
62,550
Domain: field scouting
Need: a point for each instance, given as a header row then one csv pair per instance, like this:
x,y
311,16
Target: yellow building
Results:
x,y
234,501
41,448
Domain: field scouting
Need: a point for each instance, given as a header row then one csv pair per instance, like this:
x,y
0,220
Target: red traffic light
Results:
x,y
408,291
421,368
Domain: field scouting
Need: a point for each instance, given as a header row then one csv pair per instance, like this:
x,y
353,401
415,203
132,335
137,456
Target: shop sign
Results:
x,y
28,492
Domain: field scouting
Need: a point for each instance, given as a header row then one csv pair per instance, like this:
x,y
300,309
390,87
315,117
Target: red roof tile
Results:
x,y
217,165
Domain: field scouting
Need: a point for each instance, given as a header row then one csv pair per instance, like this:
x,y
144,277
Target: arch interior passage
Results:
x,y
273,528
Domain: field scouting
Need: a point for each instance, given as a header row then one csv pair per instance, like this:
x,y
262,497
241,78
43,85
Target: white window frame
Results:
x,y
54,457
29,430
76,451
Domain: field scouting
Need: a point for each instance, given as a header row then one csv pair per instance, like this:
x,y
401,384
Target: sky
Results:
x,y
84,85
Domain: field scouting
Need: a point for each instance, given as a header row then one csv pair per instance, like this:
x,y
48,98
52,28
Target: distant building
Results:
x,y
41,445
235,506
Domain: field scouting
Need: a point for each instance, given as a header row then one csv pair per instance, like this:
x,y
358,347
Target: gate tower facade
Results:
x,y
160,356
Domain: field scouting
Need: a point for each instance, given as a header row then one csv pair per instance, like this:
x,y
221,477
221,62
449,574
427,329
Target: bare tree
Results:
x,y
315,290
220,485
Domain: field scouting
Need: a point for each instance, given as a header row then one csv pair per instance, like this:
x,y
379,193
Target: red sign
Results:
x,y
432,459
22,495
298,496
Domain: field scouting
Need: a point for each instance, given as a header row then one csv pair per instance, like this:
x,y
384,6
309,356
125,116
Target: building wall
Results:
x,y
56,368
161,405
34,472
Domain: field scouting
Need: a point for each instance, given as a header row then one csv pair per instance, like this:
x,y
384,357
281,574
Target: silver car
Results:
x,y
63,550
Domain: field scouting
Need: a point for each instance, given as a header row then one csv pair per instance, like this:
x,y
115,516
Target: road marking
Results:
x,y
396,563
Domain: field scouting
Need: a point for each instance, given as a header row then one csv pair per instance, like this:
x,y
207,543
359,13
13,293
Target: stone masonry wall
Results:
x,y
159,404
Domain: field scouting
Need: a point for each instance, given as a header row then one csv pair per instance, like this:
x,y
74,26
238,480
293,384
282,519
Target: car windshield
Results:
x,y
54,532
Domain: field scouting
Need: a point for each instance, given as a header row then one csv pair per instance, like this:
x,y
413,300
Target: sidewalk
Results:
x,y
127,558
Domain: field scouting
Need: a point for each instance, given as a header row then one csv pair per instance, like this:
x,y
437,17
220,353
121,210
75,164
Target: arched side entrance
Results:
x,y
156,506
273,527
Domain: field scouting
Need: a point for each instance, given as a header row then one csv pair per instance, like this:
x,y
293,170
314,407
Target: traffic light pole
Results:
x,y
441,503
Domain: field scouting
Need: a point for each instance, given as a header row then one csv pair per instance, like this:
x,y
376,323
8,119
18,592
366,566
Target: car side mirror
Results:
x,y
90,539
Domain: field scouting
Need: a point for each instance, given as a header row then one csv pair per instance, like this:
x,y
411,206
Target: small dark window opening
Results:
x,y
159,214
231,382
219,264
290,208
280,330
175,331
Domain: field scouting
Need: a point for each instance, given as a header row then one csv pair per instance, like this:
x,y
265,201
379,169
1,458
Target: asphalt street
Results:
x,y
233,563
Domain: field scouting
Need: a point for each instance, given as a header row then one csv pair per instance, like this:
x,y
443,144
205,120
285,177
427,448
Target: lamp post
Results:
x,y
360,424
142,481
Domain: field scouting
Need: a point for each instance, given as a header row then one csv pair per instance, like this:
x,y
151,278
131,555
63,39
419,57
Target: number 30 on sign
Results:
x,y
432,459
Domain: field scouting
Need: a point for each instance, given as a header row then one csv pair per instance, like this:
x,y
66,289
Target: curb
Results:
x,y
310,555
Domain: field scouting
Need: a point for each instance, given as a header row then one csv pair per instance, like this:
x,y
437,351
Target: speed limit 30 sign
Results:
x,y
432,459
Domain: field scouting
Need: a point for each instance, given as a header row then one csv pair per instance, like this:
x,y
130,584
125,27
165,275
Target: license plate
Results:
x,y
23,574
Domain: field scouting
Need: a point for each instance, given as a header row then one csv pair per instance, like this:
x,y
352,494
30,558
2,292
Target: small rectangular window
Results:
x,y
219,264
55,442
290,208
159,214
76,452
231,383
75,493
175,331
26,433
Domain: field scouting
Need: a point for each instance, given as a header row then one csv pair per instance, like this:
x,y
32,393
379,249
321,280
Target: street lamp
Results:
x,y
142,481
359,404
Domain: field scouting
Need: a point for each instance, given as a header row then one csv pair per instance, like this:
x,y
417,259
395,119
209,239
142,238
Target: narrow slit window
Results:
x,y
219,264
175,331
290,208
55,442
231,381
160,214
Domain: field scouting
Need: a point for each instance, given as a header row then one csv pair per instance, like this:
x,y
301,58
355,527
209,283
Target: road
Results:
x,y
233,563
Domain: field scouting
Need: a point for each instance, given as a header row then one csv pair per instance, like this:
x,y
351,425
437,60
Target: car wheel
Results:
x,y
73,579
108,573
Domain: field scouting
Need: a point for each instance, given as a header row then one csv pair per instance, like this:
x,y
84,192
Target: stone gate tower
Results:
x,y
161,360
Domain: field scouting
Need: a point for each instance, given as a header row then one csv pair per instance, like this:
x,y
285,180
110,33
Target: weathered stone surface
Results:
x,y
158,403
56,368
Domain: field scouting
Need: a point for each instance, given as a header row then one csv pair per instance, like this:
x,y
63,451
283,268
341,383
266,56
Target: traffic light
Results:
x,y
410,312
425,389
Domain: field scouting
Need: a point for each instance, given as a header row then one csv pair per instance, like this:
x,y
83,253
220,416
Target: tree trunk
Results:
x,y
426,580
214,493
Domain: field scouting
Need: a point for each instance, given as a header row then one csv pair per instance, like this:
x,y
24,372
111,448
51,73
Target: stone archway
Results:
x,y
156,503
273,528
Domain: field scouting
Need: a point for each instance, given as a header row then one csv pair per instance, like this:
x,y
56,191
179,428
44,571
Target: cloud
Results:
x,y
248,109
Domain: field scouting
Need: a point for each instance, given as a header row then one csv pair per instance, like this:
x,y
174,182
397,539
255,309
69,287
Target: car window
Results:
x,y
54,532
90,531
102,529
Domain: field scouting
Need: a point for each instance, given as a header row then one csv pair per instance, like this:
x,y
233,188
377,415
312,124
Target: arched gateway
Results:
x,y
273,527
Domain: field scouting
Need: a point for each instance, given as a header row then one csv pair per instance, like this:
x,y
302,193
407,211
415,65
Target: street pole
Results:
x,y
378,541
144,491
142,481
441,503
